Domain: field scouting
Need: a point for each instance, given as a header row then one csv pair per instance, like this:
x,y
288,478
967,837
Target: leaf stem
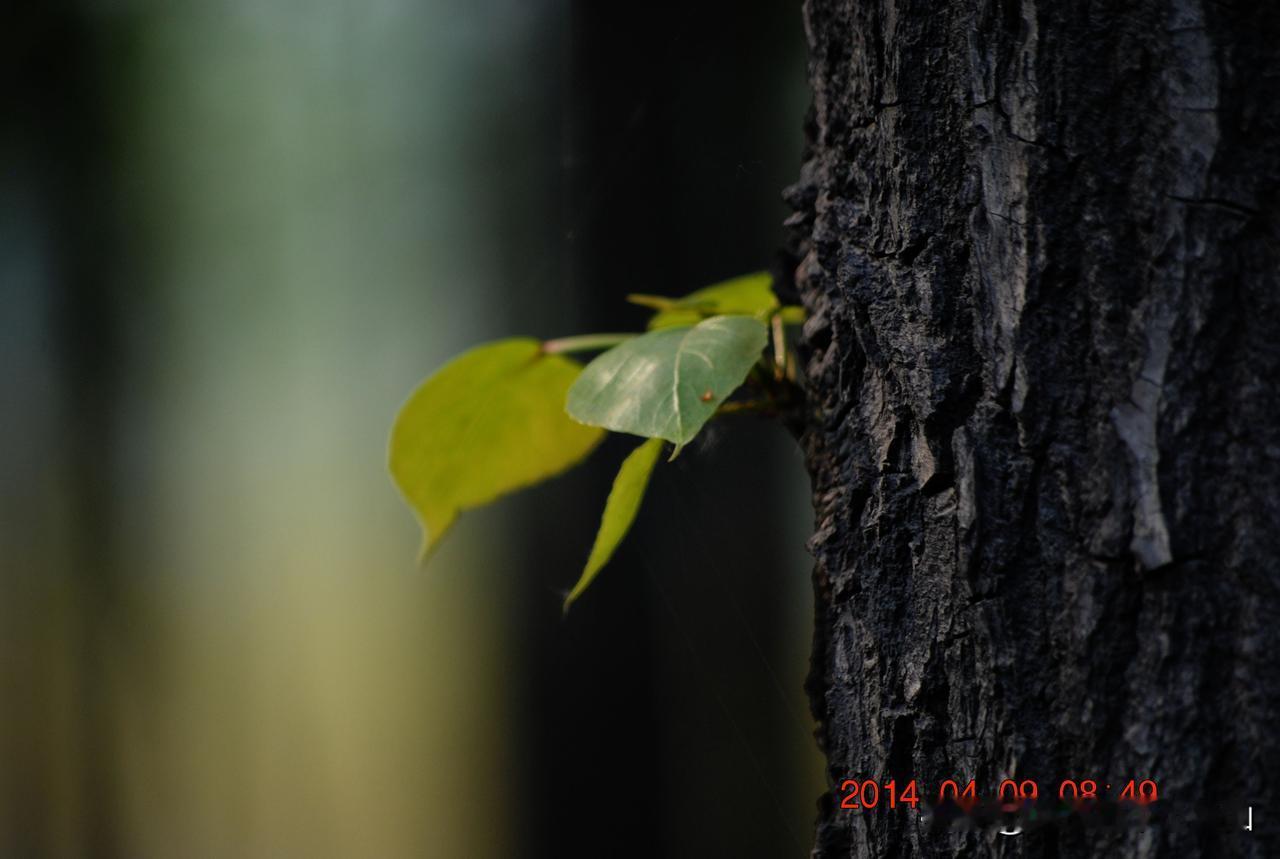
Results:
x,y
653,302
662,302
779,347
746,407
584,343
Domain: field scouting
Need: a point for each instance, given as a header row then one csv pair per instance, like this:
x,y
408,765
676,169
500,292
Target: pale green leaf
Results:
x,y
668,383
487,423
749,295
619,511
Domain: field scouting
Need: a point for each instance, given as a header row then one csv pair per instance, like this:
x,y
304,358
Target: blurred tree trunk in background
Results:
x,y
1038,244
59,439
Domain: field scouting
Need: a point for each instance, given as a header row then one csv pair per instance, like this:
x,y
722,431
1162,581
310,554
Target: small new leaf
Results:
x,y
792,314
749,295
619,511
668,383
487,423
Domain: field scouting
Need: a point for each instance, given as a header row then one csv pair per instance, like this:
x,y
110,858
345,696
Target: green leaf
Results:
x,y
668,383
619,511
749,295
489,422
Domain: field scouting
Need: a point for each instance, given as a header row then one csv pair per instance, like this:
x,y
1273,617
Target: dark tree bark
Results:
x,y
1038,243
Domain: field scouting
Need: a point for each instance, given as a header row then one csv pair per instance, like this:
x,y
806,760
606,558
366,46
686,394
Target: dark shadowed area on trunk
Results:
x,y
1038,243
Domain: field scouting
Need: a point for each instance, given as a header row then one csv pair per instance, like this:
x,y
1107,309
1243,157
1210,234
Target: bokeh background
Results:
x,y
234,234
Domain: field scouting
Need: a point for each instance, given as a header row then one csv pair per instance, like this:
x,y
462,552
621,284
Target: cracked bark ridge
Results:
x,y
1038,245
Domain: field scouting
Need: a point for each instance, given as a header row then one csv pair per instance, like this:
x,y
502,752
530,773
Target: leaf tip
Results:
x,y
431,539
570,598
426,550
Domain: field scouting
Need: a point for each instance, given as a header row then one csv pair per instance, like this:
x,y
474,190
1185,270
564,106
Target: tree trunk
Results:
x,y
1038,245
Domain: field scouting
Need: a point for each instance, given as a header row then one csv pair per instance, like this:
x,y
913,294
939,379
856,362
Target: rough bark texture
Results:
x,y
1038,243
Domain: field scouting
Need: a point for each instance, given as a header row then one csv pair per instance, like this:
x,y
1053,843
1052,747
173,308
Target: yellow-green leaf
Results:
x,y
619,511
749,295
668,383
792,314
489,422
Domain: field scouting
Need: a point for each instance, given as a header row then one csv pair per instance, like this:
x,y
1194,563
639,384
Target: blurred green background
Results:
x,y
234,234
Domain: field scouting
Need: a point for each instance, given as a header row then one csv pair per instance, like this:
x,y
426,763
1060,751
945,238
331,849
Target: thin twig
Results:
x,y
584,343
